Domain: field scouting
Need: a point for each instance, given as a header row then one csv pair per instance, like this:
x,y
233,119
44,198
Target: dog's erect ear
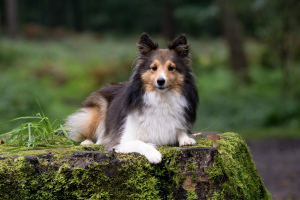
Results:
x,y
146,44
180,45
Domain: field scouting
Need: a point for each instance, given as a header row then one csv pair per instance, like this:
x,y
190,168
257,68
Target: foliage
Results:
x,y
60,74
56,75
42,133
115,16
261,105
258,18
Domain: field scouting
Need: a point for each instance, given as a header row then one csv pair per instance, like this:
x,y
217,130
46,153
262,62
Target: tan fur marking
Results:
x,y
150,76
94,122
169,63
155,63
173,78
98,115
148,85
178,83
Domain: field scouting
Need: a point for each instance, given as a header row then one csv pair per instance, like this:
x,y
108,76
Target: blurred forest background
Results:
x,y
245,54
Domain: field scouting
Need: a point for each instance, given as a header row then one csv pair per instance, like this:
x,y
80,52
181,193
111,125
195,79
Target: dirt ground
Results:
x,y
278,163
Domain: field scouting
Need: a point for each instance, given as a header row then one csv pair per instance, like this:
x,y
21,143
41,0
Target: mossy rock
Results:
x,y
88,172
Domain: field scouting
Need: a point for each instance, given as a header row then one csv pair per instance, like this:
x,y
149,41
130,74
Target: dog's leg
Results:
x,y
147,150
185,140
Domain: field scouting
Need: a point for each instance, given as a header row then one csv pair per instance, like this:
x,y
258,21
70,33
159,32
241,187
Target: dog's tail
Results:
x,y
88,123
83,124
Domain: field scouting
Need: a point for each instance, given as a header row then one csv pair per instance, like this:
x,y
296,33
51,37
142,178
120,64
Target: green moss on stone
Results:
x,y
191,195
235,171
191,167
59,151
55,174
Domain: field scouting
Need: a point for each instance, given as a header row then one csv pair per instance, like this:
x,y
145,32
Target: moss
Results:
x,y
104,180
191,167
235,171
49,173
126,176
191,195
59,152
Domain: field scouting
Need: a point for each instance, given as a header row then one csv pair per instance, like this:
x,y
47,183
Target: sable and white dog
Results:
x,y
157,106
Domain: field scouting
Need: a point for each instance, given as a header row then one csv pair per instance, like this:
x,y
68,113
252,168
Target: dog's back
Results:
x,y
89,122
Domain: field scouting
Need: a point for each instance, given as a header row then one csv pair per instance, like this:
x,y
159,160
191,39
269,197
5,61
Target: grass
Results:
x,y
38,132
62,73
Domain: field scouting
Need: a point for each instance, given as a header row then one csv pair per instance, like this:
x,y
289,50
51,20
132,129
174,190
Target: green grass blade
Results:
x,y
29,136
19,118
52,125
43,115
67,136
13,149
41,133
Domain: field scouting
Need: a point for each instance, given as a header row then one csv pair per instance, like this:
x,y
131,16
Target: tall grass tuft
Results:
x,y
40,132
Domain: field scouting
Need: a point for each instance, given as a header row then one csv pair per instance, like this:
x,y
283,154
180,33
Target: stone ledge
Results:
x,y
88,172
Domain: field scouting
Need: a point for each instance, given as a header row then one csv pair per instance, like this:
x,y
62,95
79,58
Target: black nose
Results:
x,y
161,81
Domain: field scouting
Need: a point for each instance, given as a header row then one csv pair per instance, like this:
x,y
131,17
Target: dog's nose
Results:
x,y
161,81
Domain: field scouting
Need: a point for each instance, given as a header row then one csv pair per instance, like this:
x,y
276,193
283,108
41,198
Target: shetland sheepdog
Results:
x,y
157,106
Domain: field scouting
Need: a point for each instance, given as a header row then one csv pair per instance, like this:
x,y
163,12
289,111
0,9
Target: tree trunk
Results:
x,y
77,15
232,32
12,17
168,20
284,46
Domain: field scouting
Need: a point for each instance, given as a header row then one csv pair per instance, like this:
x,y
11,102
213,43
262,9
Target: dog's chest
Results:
x,y
160,118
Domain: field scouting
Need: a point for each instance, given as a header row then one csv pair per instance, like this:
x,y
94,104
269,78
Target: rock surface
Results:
x,y
88,172
277,162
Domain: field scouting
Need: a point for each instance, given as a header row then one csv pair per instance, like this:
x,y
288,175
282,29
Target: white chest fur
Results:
x,y
160,120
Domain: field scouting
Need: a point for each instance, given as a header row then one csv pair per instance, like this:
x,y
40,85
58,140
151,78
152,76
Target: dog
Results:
x,y
157,106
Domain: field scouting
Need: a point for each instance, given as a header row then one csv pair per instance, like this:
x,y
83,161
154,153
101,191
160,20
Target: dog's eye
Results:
x,y
170,68
154,68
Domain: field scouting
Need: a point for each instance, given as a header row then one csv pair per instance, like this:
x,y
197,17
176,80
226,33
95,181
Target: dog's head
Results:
x,y
163,69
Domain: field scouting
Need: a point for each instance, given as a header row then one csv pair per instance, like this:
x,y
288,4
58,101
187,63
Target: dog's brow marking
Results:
x,y
156,63
170,63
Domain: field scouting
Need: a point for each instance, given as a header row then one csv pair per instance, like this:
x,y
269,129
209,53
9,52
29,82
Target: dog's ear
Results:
x,y
180,45
146,44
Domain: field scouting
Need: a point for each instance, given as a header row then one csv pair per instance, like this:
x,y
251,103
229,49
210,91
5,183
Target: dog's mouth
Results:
x,y
162,88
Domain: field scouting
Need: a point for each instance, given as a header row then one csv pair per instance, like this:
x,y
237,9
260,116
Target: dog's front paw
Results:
x,y
187,141
154,156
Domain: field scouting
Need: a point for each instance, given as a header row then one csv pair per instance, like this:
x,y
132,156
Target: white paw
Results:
x,y
147,150
87,142
187,141
153,156
151,144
